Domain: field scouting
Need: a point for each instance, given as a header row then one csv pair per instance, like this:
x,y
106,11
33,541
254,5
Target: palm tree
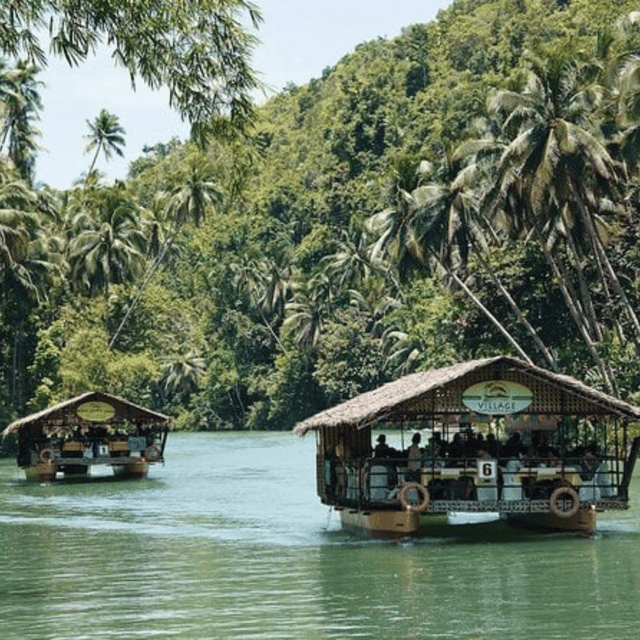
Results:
x,y
267,287
106,135
181,375
28,266
552,178
20,104
374,300
309,310
402,351
18,224
195,193
111,248
435,223
395,224
478,158
351,263
248,277
278,288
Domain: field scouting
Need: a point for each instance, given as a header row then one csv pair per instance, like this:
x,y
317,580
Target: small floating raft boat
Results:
x,y
91,429
543,450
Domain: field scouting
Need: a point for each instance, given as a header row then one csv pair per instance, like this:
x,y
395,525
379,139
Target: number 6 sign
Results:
x,y
487,469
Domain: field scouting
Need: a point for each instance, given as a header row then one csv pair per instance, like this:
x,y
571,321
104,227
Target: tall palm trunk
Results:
x,y
573,305
583,289
153,267
548,356
607,273
483,309
93,163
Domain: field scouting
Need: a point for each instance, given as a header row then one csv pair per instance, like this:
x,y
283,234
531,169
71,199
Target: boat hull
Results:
x,y
384,523
135,470
47,472
396,523
41,472
583,522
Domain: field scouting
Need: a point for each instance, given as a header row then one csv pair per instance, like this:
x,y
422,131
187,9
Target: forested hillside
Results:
x,y
466,189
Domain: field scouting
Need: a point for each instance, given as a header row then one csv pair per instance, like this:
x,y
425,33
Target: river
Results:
x,y
228,540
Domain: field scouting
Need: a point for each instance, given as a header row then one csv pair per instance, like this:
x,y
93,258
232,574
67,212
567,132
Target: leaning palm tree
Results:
x,y
434,227
106,135
552,178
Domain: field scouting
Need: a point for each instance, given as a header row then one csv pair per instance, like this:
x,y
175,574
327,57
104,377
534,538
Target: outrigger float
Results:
x,y
91,429
541,449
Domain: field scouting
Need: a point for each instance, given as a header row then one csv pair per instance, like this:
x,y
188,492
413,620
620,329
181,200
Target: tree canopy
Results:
x,y
466,189
200,50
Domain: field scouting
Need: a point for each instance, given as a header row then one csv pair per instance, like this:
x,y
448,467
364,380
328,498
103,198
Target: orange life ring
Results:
x,y
559,496
423,493
47,455
152,453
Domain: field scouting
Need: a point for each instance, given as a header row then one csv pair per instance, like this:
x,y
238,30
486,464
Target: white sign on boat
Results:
x,y
497,397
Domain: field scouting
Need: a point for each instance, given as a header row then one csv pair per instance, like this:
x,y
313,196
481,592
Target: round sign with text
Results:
x,y
96,411
497,397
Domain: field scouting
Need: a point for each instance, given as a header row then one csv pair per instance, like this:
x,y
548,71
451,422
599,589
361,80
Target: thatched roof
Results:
x,y
439,391
64,414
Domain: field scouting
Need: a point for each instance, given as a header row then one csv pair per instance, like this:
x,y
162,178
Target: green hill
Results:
x,y
465,189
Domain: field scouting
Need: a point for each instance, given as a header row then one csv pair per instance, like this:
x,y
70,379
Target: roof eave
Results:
x,y
76,401
338,415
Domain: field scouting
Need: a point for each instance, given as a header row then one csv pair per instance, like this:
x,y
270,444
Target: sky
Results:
x,y
299,38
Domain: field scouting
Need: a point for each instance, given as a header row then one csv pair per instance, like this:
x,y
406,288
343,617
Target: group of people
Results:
x,y
473,445
465,446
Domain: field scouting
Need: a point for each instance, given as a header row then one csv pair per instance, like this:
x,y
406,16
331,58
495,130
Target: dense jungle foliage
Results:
x,y
469,188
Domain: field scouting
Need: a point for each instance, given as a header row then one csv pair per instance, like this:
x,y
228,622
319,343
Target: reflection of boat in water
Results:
x,y
550,452
91,429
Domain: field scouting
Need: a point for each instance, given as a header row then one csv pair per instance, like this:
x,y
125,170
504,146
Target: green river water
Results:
x,y
228,540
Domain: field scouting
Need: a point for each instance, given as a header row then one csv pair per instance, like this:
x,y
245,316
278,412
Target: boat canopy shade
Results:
x,y
439,392
93,407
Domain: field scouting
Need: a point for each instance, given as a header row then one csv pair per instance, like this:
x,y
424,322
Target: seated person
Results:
x,y
513,447
437,446
341,454
551,457
589,461
492,445
456,449
382,449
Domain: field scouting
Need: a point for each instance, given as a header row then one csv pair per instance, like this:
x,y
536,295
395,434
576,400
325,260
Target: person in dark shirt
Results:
x,y
382,449
513,447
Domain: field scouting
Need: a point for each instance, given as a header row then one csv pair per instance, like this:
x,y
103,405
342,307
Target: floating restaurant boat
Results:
x,y
502,436
91,429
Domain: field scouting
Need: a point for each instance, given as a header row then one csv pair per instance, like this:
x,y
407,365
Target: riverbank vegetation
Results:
x,y
466,189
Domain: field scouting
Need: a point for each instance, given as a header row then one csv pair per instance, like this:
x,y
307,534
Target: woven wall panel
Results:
x,y
547,398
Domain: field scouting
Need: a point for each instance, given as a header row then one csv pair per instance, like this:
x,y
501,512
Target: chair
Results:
x,y
598,486
512,488
353,485
378,483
